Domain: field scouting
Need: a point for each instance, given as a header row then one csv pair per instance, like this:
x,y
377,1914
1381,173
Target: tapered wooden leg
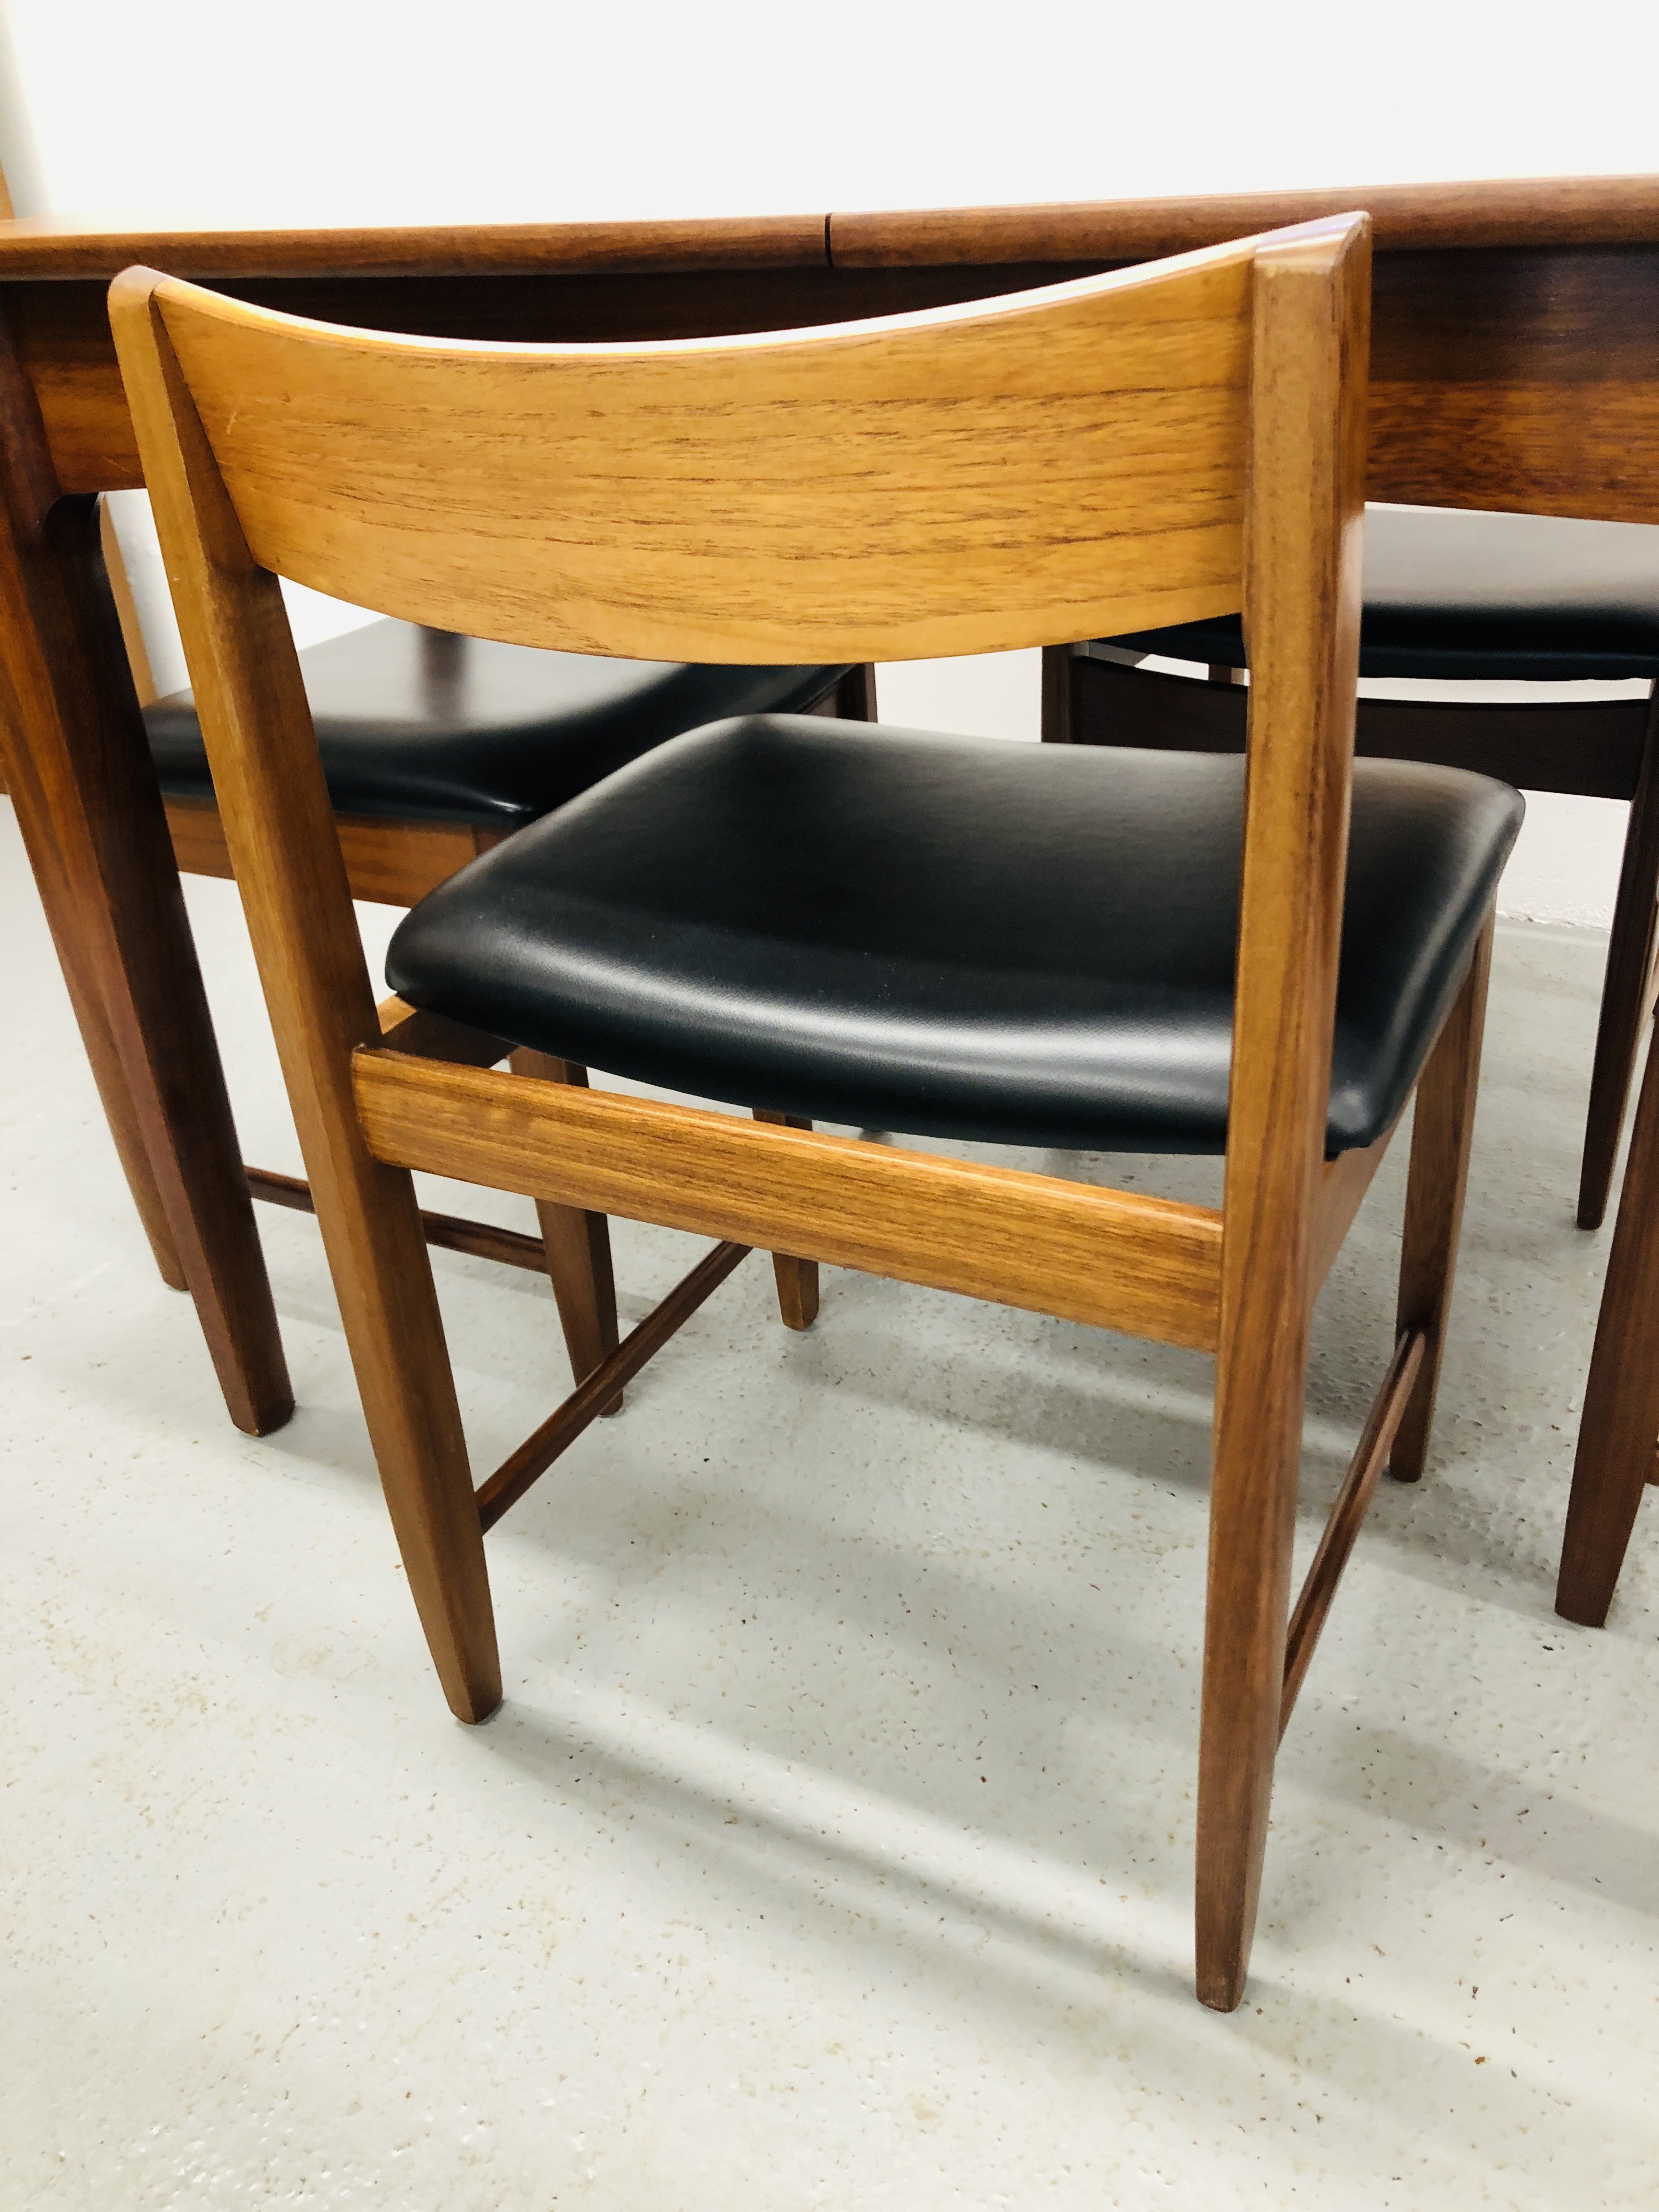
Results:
x,y
578,1252
1442,1129
377,1255
1620,1421
120,1112
1258,1450
1626,989
1059,701
79,770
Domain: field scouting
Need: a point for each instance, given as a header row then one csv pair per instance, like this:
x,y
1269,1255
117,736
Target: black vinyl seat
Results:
x,y
1482,597
416,725
956,937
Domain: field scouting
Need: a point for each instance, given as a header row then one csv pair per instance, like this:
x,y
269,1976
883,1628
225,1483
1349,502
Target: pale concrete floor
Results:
x,y
834,1846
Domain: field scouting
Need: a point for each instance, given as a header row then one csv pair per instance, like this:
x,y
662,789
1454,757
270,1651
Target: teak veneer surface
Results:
x,y
1114,1259
391,863
1514,355
1546,211
1497,211
77,245
842,456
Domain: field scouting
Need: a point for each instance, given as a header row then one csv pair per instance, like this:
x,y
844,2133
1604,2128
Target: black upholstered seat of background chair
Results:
x,y
436,747
1470,597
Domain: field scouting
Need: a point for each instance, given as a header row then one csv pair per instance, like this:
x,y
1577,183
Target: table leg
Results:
x,y
1621,1423
91,815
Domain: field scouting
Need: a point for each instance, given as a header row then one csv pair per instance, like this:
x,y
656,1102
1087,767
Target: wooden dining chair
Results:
x,y
965,938
1470,599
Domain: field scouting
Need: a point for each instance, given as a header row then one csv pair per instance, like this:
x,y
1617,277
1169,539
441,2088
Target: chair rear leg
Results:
x,y
1621,1423
1257,1456
1442,1129
1059,711
577,1245
853,699
1626,989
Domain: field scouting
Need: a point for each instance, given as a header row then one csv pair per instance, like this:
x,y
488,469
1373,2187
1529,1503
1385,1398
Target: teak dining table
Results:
x,y
1515,366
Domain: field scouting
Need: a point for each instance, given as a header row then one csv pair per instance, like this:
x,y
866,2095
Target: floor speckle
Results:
x,y
834,1845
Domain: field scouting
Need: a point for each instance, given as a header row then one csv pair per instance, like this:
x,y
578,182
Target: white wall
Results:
x,y
320,111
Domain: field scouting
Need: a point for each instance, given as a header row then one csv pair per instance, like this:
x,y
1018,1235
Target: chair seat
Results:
x,y
956,937
1483,597
417,725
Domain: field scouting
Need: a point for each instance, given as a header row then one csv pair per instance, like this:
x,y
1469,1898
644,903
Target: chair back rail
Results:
x,y
978,478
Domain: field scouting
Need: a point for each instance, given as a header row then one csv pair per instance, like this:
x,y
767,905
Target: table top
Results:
x,y
1506,212
1515,352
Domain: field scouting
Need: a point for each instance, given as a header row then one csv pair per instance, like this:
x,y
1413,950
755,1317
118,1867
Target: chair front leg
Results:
x,y
1442,1127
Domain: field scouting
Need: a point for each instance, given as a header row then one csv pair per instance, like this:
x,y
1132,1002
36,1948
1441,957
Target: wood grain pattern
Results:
x,y
60,247
389,863
1508,211
1513,363
63,338
120,1109
79,771
1112,1258
262,752
1301,607
583,520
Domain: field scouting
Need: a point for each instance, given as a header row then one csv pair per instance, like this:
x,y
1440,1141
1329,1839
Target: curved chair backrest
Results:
x,y
1010,473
